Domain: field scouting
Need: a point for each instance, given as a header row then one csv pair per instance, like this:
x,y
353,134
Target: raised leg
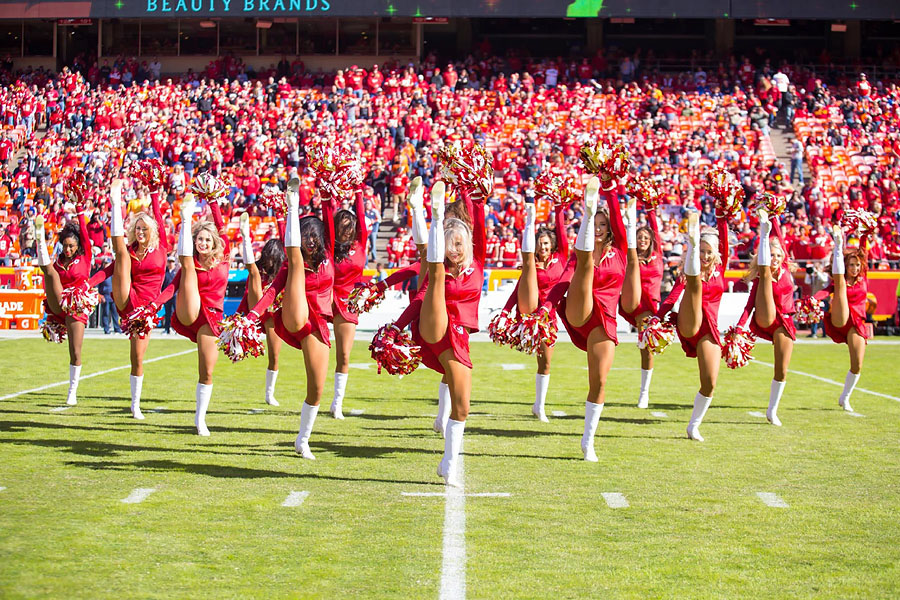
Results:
x,y
527,291
631,287
690,313
121,288
579,298
433,319
600,353
840,307
187,301
294,307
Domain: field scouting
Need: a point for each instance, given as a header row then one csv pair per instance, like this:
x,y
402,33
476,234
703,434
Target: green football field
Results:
x,y
659,516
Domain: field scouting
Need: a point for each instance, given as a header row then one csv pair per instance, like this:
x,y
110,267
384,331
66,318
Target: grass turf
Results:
x,y
215,525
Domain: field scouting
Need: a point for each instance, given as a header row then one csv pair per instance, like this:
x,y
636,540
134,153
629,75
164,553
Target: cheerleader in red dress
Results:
x,y
138,273
260,273
203,251
592,294
845,321
544,258
697,320
70,271
449,309
306,279
771,302
351,236
648,259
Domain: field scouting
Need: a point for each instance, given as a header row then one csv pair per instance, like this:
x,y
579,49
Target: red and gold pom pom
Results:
x,y
611,163
150,172
76,189
393,350
809,311
655,335
729,195
773,205
500,328
468,166
364,298
859,221
274,199
336,167
557,186
140,322
737,347
534,329
79,300
209,187
53,331
646,191
240,337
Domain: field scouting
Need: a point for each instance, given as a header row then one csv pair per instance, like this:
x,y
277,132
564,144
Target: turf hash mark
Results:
x,y
558,413
659,414
757,414
771,500
513,367
295,499
59,408
615,500
138,495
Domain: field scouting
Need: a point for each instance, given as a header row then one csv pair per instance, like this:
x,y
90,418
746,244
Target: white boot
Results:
x,y
528,241
440,423
837,254
591,420
307,419
692,257
292,218
185,238
764,251
541,383
204,393
137,384
775,392
74,376
701,405
340,387
416,201
447,468
631,222
644,398
246,241
849,385
116,219
436,252
271,378
585,238
43,255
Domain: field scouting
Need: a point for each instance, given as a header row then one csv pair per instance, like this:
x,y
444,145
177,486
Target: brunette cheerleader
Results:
x,y
203,252
70,300
697,320
771,303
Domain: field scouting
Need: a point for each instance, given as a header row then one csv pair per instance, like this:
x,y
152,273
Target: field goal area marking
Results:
x,y
771,500
823,380
90,375
295,499
138,495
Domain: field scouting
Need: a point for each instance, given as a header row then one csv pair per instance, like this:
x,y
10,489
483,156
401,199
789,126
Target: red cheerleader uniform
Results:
x,y
712,297
462,294
651,278
318,291
609,274
76,273
782,293
211,284
856,298
348,272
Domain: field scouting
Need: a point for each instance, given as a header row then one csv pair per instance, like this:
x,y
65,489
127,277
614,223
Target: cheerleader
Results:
x,y
351,235
544,258
67,275
771,302
845,321
260,273
645,270
449,308
306,278
592,295
697,320
138,273
203,252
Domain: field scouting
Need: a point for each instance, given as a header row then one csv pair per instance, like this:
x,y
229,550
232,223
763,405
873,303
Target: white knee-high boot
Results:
x,y
692,256
185,237
764,252
436,251
246,241
440,423
541,384
592,413
416,202
43,255
584,241
307,420
837,254
116,218
453,440
292,218
204,393
528,241
340,388
271,378
775,392
849,385
701,405
644,398
74,376
137,384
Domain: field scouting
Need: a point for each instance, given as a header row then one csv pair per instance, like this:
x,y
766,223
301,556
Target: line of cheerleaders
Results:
x,y
302,282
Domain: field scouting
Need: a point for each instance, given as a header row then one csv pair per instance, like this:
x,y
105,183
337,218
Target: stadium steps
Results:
x,y
782,136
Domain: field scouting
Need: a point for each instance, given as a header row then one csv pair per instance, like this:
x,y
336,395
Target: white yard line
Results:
x,y
453,568
295,499
771,500
2,488
357,412
256,411
853,413
615,500
138,495
824,380
513,367
558,413
363,366
757,414
97,374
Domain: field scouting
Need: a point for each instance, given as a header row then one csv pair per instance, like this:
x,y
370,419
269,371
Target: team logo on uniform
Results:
x,y
469,271
458,328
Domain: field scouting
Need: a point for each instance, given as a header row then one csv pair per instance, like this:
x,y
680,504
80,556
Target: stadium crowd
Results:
x,y
251,128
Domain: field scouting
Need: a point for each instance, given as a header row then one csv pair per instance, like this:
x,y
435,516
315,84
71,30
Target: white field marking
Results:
x,y
356,412
620,368
822,379
138,495
295,499
853,413
424,494
363,366
490,495
2,488
453,567
757,414
659,414
513,367
558,413
59,408
256,411
615,500
158,409
443,494
97,374
771,500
